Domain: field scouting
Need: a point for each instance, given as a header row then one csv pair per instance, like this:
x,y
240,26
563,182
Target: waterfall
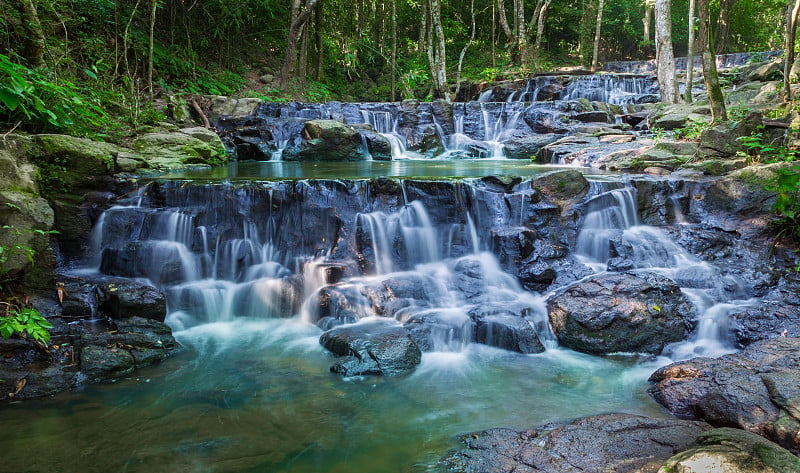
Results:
x,y
613,238
613,89
386,125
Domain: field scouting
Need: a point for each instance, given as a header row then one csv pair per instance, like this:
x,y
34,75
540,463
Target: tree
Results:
x,y
665,59
723,25
792,12
716,100
647,20
597,34
690,56
35,41
298,20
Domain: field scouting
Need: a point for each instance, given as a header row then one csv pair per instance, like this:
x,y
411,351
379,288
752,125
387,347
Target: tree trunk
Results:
x,y
319,68
511,39
153,8
715,98
394,50
437,47
665,60
585,38
521,33
647,21
690,56
537,46
35,41
466,46
598,24
792,11
723,25
298,19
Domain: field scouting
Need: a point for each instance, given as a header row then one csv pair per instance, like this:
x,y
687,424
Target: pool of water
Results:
x,y
256,396
432,168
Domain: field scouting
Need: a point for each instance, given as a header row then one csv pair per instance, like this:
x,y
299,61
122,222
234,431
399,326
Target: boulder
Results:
x,y
378,145
372,347
619,443
723,141
164,151
772,317
626,312
562,186
24,219
102,364
330,140
16,171
757,390
230,107
509,333
729,450
527,147
597,116
125,298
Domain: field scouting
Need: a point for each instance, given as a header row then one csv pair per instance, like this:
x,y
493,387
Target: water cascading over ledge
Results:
x,y
452,262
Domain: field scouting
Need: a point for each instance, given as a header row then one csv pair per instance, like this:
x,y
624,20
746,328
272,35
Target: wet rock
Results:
x,y
546,120
729,450
330,140
620,443
566,185
544,274
774,316
440,329
164,150
723,141
378,146
159,262
124,298
628,312
527,147
757,390
101,363
597,116
372,347
509,333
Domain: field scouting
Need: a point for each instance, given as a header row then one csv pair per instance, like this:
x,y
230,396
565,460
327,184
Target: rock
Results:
x,y
527,147
230,107
762,72
546,120
757,390
378,146
330,140
561,186
773,316
17,172
102,364
440,329
627,312
372,347
723,141
82,158
597,116
509,333
618,443
676,116
266,78
727,450
165,151
125,298
24,217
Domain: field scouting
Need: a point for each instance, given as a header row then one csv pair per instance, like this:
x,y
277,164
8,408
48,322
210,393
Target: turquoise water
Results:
x,y
366,169
257,396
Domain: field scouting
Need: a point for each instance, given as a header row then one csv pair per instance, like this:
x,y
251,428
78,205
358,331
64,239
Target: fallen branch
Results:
x,y
196,107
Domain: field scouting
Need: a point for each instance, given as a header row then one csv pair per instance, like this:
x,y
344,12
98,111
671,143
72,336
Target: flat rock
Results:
x,y
610,443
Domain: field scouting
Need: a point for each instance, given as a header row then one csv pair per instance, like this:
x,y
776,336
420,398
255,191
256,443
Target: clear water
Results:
x,y
429,169
256,396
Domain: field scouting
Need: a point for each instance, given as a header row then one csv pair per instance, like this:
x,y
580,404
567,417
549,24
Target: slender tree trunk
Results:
x,y
35,42
513,46
715,98
297,21
494,33
439,69
540,17
723,25
466,46
690,56
153,9
394,50
521,33
647,21
302,63
792,12
585,38
665,59
319,68
598,24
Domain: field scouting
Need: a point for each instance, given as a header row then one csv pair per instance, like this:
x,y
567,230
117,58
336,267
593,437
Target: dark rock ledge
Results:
x,y
104,329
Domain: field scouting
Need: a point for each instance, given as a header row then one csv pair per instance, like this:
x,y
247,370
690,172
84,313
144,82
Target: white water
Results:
x,y
612,224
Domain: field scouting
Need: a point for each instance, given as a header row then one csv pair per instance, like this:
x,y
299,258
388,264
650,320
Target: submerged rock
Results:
x,y
757,390
372,347
618,443
628,312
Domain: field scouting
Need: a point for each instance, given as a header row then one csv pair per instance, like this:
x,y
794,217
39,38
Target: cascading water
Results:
x,y
386,124
613,89
613,238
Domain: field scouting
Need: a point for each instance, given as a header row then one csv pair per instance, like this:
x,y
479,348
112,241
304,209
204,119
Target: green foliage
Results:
x,y
759,150
691,131
787,201
30,97
25,322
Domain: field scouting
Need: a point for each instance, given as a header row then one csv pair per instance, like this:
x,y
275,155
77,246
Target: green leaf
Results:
x,y
10,100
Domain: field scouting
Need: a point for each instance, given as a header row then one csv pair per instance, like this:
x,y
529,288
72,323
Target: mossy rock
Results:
x,y
636,160
717,167
686,148
562,185
733,451
17,172
81,156
27,215
166,151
